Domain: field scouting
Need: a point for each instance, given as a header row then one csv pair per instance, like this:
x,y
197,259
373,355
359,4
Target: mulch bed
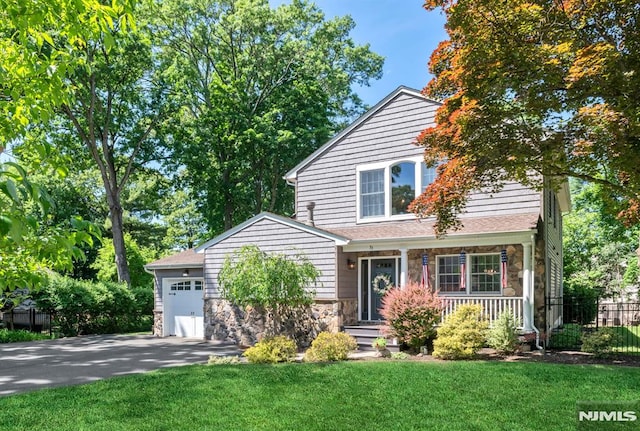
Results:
x,y
559,357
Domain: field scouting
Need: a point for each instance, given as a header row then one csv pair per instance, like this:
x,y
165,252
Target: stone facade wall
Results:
x,y
247,325
157,323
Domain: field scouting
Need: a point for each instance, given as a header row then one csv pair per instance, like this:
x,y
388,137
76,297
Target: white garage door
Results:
x,y
183,308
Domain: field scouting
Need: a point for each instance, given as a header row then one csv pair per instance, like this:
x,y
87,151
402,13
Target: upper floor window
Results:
x,y
372,193
403,186
385,190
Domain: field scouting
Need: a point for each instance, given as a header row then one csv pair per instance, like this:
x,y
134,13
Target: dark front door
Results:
x,y
380,266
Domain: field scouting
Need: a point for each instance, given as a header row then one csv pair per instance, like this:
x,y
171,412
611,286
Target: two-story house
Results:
x,y
352,222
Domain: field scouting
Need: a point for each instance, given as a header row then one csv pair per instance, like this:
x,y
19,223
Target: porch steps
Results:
x,y
365,334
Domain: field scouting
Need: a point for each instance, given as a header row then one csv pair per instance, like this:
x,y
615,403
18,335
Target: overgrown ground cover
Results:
x,y
355,395
20,335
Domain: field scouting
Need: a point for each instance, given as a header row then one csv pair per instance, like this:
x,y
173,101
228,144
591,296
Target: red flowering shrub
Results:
x,y
411,314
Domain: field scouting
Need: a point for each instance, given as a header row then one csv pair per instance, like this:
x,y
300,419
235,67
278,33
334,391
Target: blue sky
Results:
x,y
400,30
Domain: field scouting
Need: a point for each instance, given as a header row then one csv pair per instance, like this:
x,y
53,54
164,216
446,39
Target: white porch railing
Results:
x,y
492,306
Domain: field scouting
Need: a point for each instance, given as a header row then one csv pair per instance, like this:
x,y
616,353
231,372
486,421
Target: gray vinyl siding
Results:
x,y
347,278
389,134
330,180
552,218
161,274
271,236
514,198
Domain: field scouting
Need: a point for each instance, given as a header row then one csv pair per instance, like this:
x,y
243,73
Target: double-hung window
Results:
x,y
372,193
385,190
481,274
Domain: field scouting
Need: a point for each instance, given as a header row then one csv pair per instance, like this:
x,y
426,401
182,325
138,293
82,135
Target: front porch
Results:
x,y
499,278
492,306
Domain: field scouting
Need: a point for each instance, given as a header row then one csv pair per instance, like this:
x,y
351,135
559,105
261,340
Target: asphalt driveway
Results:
x,y
78,360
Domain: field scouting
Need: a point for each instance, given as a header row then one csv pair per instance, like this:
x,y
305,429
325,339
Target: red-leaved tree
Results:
x,y
533,91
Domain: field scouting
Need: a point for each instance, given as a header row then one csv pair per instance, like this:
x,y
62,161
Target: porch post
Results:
x,y
404,267
527,289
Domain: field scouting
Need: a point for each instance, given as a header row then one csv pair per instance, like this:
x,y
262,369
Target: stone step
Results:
x,y
365,335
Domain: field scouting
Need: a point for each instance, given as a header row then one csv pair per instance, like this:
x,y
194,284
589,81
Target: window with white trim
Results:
x,y
372,193
448,278
482,274
186,285
385,190
485,273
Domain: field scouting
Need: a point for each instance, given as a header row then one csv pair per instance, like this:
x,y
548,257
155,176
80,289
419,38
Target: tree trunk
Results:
x,y
117,229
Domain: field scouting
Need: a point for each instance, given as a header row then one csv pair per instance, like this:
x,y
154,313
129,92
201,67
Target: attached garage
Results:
x,y
183,308
179,288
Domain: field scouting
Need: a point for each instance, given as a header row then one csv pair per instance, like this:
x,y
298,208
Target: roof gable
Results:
x,y
340,240
293,173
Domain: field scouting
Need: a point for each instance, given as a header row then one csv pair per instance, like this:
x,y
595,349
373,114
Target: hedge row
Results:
x,y
83,307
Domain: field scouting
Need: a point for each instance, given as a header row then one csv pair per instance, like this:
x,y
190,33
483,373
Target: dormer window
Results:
x,y
385,190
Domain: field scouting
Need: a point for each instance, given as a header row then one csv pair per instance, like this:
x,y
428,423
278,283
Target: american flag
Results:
x,y
463,271
426,280
503,261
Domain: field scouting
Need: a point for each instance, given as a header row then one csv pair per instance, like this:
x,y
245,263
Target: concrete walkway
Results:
x,y
78,360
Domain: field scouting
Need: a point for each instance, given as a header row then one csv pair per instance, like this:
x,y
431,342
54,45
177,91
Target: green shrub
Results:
x,y
503,335
580,299
411,314
462,334
223,360
399,355
82,307
329,346
567,338
272,350
379,343
600,342
20,335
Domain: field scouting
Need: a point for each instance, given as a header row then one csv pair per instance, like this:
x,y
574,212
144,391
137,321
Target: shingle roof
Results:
x,y
278,219
184,259
408,229
424,228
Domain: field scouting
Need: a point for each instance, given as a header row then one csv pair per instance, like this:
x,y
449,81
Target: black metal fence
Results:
x,y
569,320
29,319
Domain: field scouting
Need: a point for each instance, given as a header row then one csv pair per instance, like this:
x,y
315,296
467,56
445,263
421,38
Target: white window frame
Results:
x,y
499,274
386,166
438,274
192,284
467,276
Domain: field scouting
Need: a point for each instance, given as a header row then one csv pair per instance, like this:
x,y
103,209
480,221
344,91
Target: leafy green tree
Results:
x,y
113,114
137,257
599,251
185,225
38,40
259,90
534,90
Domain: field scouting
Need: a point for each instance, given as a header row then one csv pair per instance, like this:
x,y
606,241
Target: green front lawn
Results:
x,y
355,395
